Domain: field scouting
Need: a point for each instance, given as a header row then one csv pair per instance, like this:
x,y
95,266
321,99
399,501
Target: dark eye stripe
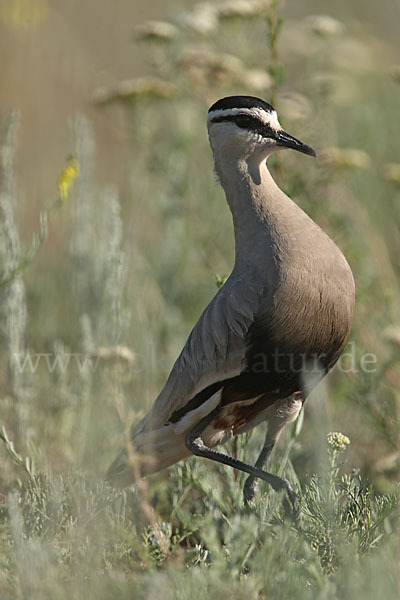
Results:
x,y
247,122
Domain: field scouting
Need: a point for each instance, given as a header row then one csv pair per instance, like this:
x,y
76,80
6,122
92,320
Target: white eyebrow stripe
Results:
x,y
269,118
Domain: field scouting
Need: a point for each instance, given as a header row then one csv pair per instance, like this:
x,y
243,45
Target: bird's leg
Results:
x,y
251,484
195,444
285,412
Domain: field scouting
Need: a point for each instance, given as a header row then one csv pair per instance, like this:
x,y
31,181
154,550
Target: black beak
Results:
x,y
288,141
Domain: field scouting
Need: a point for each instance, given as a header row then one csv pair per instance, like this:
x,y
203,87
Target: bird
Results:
x,y
273,330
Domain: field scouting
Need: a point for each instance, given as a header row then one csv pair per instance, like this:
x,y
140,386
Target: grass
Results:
x,y
89,333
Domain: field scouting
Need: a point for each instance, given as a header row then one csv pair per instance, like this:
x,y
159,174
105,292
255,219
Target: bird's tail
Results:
x,y
149,452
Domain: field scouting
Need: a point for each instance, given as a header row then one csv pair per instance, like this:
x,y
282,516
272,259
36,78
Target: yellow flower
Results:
x,y
67,177
324,25
21,14
392,172
346,158
243,8
159,31
395,72
135,89
337,441
220,280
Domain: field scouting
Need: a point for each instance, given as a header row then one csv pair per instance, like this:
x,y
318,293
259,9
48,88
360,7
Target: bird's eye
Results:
x,y
243,121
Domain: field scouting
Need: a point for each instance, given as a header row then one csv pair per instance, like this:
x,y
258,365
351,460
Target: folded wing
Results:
x,y
215,350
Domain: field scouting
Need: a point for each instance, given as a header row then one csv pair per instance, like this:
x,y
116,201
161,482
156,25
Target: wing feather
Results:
x,y
215,349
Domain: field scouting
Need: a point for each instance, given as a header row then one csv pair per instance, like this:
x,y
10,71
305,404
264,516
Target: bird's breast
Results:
x,y
307,318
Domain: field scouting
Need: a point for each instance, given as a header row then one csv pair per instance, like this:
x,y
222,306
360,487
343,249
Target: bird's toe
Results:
x,y
292,506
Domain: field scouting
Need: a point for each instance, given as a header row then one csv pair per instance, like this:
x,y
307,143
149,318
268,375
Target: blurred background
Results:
x,y
134,252
113,231
55,54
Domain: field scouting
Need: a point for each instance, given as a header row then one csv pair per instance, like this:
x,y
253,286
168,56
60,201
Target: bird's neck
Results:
x,y
259,208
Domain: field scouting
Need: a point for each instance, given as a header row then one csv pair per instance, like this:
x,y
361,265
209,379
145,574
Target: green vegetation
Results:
x,y
88,339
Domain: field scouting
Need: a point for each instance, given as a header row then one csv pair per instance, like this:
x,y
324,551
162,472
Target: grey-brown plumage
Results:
x,y
280,321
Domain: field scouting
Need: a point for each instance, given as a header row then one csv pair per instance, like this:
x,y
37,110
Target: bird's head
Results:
x,y
244,126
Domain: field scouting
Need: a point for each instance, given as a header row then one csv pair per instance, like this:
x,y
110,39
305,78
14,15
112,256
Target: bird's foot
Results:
x,y
292,505
291,500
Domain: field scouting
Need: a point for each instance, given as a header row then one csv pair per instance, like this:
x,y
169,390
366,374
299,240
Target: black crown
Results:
x,y
241,102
